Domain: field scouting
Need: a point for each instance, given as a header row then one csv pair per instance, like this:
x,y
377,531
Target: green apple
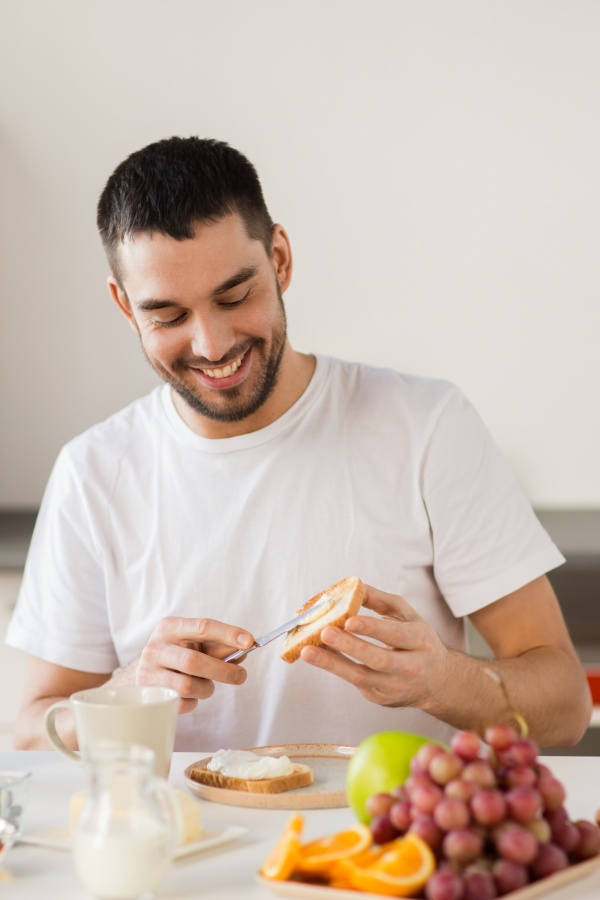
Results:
x,y
381,763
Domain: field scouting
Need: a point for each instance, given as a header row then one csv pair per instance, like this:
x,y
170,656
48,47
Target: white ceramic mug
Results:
x,y
133,714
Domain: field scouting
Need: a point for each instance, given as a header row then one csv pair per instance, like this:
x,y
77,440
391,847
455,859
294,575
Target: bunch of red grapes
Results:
x,y
494,816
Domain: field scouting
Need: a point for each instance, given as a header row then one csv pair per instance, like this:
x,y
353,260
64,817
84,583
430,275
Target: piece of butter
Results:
x,y
190,823
189,808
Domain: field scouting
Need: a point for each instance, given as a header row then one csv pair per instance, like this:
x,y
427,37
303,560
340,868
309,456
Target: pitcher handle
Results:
x,y
165,796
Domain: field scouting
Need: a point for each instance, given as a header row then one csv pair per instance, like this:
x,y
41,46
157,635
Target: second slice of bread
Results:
x,y
346,595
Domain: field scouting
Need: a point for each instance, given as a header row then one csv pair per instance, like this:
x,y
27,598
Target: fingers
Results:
x,y
389,605
178,630
386,659
385,689
395,633
184,654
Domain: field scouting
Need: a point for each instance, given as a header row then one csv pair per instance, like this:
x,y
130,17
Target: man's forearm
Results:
x,y
29,733
45,684
545,685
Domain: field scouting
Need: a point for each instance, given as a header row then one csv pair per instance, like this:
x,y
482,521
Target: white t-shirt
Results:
x,y
388,476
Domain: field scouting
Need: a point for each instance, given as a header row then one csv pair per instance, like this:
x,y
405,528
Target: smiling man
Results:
x,y
255,476
210,316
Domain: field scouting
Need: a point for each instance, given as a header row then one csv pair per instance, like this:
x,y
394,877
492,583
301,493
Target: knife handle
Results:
x,y
239,653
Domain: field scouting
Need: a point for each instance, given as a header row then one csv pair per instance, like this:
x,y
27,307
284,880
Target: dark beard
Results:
x,y
264,387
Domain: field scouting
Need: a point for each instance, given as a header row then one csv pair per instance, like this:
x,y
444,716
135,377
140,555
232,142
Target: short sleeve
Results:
x,y
61,613
487,540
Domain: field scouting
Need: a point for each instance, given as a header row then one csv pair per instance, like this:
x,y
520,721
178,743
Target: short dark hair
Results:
x,y
174,183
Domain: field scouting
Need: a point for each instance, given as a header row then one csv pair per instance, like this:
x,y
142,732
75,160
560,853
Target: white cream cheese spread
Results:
x,y
245,764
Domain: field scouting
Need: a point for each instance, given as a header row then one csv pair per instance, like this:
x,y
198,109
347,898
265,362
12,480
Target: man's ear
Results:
x,y
282,257
121,299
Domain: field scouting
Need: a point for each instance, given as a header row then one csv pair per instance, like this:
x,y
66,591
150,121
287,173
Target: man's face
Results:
x,y
210,316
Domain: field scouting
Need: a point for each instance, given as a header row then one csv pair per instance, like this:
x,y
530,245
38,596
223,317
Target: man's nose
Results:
x,y
212,338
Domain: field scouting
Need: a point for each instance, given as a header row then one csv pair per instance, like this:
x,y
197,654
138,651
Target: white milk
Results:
x,y
123,865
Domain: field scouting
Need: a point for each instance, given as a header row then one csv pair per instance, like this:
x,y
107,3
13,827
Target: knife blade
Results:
x,y
308,615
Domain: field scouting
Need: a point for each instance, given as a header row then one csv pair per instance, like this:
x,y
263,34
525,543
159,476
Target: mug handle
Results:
x,y
52,733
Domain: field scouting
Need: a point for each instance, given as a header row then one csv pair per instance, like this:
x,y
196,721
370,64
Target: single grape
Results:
x,y
400,815
414,813
509,876
462,845
460,789
520,776
540,828
400,792
484,864
542,769
445,886
444,767
415,767
480,772
379,804
521,753
565,836
500,737
556,817
424,827
517,844
450,813
480,886
524,803
548,860
425,754
551,791
466,745
383,830
426,797
416,780
488,807
589,840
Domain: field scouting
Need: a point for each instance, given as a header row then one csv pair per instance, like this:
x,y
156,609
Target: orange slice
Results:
x,y
319,856
341,871
283,858
401,869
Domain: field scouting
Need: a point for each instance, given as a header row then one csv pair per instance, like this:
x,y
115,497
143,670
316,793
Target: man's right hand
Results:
x,y
187,655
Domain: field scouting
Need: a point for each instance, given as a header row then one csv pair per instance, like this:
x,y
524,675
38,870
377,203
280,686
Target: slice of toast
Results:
x,y
346,595
300,777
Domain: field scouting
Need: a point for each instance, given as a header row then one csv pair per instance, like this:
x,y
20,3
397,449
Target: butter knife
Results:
x,y
307,616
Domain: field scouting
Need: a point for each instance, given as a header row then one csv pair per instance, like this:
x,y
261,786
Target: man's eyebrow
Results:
x,y
156,304
238,278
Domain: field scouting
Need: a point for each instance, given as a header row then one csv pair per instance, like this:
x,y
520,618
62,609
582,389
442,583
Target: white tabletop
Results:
x,y
229,871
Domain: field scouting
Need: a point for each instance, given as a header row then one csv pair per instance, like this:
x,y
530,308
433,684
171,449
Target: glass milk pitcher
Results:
x,y
126,834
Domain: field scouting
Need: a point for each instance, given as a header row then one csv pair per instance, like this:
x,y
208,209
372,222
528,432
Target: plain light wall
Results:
x,y
435,162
